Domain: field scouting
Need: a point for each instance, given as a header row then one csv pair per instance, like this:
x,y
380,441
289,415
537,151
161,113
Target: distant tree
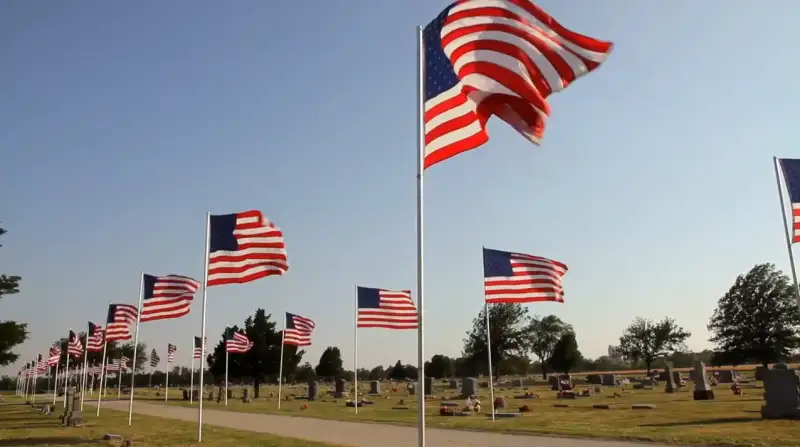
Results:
x,y
412,372
757,319
377,373
11,333
543,333
506,322
330,363
440,366
566,356
305,373
398,371
237,363
515,364
646,340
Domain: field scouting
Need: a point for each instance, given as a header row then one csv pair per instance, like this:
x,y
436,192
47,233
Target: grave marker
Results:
x,y
782,394
702,390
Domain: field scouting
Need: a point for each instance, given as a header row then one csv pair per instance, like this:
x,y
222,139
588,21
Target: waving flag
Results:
x,y
791,178
298,330
41,365
94,339
167,297
171,350
154,359
244,247
520,278
237,342
119,320
389,309
501,58
74,345
197,348
55,355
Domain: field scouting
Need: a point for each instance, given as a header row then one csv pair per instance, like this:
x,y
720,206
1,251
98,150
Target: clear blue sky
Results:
x,y
122,124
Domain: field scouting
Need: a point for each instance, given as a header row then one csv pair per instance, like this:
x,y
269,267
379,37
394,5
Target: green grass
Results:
x,y
728,420
21,425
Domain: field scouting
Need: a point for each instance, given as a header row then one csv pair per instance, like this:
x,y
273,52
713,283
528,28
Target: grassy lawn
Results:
x,y
21,425
728,420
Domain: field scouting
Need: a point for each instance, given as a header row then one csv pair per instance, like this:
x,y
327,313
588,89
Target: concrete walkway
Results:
x,y
356,433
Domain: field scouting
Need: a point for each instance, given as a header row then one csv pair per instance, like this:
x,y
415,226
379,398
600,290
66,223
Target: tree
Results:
x,y
645,340
377,373
11,333
330,363
506,322
398,371
543,333
757,319
440,366
566,356
305,373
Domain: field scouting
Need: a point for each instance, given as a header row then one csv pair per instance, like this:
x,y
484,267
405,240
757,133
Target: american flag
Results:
x,y
244,247
119,320
41,365
520,278
154,359
390,309
791,177
94,339
237,342
113,366
197,348
55,354
95,369
496,57
171,350
167,297
298,330
74,345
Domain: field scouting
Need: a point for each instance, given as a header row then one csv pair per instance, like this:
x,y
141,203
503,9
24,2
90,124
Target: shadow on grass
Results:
x,y
55,440
704,422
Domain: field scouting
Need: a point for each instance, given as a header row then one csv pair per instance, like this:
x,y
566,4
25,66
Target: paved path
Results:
x,y
356,433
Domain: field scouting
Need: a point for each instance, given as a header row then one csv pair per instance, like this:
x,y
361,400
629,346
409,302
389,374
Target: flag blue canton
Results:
x,y
791,176
369,298
496,263
222,236
439,73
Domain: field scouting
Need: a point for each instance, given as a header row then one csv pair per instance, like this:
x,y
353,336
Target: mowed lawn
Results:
x,y
730,419
21,425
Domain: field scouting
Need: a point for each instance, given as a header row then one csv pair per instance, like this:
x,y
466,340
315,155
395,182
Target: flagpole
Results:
x,y
105,378
55,382
166,386
48,376
489,355
135,348
203,328
102,371
119,379
66,372
280,367
355,347
420,239
776,161
191,378
83,374
35,376
226,373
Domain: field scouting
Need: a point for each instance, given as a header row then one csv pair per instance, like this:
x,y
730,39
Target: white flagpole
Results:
x,y
280,367
166,386
191,378
119,379
103,371
66,373
55,384
135,346
35,373
226,373
48,375
776,161
203,329
355,347
105,379
489,355
83,374
420,239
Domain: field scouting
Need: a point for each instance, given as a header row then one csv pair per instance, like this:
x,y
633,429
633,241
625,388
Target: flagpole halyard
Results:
x,y
203,328
420,239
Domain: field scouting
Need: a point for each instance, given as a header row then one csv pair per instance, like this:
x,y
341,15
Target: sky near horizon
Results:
x,y
122,124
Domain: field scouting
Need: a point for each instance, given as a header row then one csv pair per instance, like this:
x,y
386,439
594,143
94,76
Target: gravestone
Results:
x,y
73,416
702,390
555,384
246,395
677,378
727,376
469,387
313,390
230,394
68,405
428,385
341,388
517,383
412,389
594,379
211,395
609,380
662,375
453,384
760,372
375,387
669,386
782,394
219,394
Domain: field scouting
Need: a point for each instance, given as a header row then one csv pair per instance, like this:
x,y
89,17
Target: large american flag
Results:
x,y
74,345
119,320
55,355
519,278
237,342
94,338
791,177
171,350
298,330
197,348
154,358
496,57
244,247
167,297
390,309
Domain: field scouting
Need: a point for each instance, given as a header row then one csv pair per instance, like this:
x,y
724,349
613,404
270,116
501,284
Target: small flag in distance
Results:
x,y
171,350
520,278
167,297
388,309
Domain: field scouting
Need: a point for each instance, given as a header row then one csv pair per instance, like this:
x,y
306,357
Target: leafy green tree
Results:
x,y
508,337
543,333
646,340
11,333
412,372
757,319
398,371
440,366
330,363
566,356
305,373
377,373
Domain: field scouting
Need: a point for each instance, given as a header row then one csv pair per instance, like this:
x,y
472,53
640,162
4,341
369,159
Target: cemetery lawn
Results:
x,y
22,425
728,420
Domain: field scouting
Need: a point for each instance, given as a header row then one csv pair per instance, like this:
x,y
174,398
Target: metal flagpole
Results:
x,y
226,373
119,379
66,373
191,378
420,239
135,346
203,329
35,373
105,379
48,377
776,161
489,352
355,347
102,370
166,385
55,383
280,367
83,373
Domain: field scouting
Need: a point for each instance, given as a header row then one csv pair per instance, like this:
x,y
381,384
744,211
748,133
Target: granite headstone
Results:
x,y
782,394
702,390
